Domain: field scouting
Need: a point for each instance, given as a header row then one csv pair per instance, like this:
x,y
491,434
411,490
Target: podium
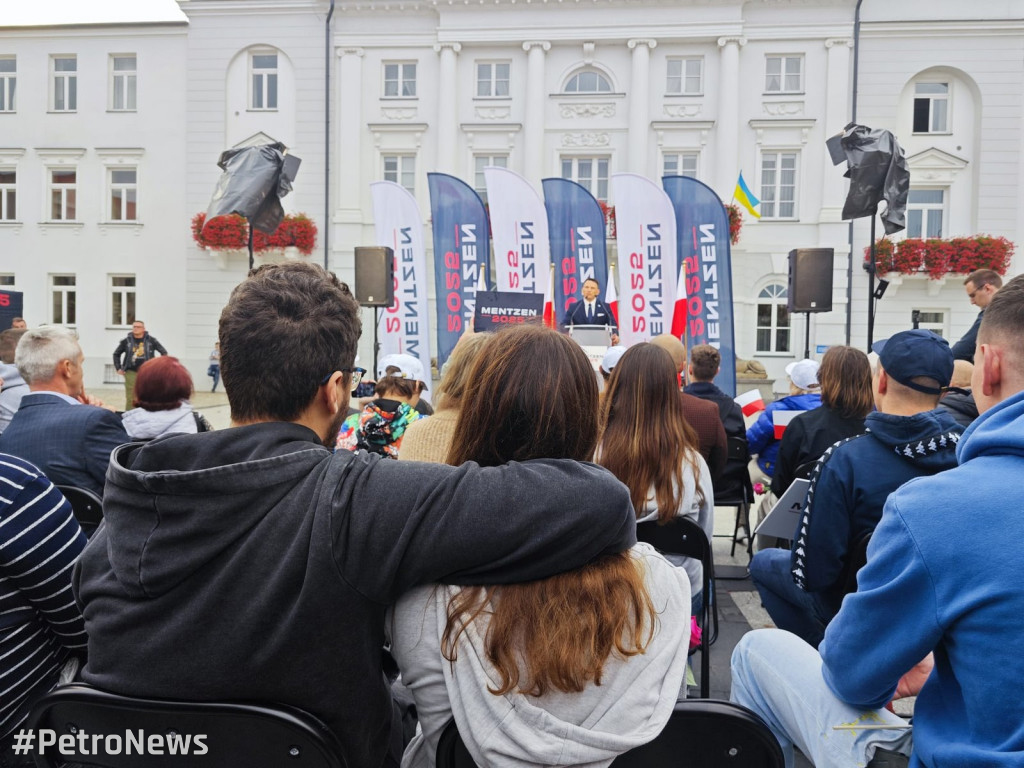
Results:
x,y
593,339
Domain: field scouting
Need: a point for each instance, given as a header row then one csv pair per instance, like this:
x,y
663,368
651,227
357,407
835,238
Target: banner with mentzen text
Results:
x,y
404,327
461,256
519,225
646,232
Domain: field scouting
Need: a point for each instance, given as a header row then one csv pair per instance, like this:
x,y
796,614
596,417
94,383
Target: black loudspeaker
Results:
x,y
810,279
375,276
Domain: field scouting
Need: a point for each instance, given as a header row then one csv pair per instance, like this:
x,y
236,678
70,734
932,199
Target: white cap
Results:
x,y
408,367
803,373
611,358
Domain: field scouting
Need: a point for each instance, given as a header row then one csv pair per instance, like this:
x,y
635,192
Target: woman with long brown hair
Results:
x,y
647,443
570,670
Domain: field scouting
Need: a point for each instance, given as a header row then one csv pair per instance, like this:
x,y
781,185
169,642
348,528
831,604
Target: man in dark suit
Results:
x,y
591,311
58,427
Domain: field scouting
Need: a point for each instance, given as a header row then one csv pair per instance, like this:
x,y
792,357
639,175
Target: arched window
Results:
x,y
773,324
588,81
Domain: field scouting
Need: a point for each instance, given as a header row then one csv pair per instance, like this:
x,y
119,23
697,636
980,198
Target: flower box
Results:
x,y
937,258
231,233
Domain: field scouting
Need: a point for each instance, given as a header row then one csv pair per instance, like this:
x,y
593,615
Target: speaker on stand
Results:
x,y
810,285
375,284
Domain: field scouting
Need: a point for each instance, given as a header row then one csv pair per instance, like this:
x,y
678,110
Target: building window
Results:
x,y
479,163
588,81
63,190
931,107
122,300
8,82
401,169
64,79
400,80
62,305
924,212
8,194
7,281
263,77
685,77
680,164
492,78
773,328
589,172
124,192
931,320
778,185
784,74
122,83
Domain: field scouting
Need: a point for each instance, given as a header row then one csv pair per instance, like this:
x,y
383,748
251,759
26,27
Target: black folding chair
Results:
x,y
701,733
735,489
682,536
250,735
86,506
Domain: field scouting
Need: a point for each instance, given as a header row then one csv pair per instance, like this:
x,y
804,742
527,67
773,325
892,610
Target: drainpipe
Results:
x,y
853,119
327,140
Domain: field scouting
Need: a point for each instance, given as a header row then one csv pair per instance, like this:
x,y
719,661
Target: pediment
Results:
x,y
936,159
256,140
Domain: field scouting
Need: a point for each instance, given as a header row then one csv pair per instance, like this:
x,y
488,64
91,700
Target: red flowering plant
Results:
x,y
224,233
937,257
735,222
608,211
229,233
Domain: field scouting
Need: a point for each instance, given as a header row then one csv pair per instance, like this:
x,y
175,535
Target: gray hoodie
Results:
x,y
590,728
11,392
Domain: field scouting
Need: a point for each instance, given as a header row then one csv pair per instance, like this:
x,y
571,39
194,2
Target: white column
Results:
x,y
447,109
639,105
536,99
727,129
348,157
837,115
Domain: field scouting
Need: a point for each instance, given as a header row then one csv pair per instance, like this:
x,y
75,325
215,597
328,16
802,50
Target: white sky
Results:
x,y
23,13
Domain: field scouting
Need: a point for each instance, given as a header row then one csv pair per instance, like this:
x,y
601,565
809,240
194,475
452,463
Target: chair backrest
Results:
x,y
701,733
86,506
682,536
253,735
734,487
858,557
803,472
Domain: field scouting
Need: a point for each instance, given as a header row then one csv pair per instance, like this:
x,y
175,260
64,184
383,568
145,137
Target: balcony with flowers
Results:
x,y
937,258
293,238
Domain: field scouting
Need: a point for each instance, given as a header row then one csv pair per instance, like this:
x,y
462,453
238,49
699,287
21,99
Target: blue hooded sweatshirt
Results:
x,y
761,435
945,574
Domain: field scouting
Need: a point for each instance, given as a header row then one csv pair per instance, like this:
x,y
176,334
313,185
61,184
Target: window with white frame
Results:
x,y
778,185
123,77
64,83
401,169
400,79
590,173
122,300
123,194
924,212
63,194
931,108
931,320
7,280
479,163
773,322
8,82
784,74
263,79
62,299
685,76
680,164
492,78
8,194
588,81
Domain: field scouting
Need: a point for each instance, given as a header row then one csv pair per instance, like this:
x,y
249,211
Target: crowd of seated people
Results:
x,y
500,562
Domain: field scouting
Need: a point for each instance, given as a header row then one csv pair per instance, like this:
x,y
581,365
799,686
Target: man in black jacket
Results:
x,y
135,349
253,564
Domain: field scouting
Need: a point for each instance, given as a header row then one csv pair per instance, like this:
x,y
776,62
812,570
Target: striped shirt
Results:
x,y
40,624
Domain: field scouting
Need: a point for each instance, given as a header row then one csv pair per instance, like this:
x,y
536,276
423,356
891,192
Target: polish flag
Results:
x,y
781,420
751,402
611,297
679,314
549,300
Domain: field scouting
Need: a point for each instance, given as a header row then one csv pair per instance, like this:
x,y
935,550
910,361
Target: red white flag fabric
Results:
x,y
679,314
750,402
781,419
549,301
519,231
611,296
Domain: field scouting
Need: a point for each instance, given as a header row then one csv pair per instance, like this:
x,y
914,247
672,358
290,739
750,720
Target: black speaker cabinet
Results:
x,y
375,276
810,279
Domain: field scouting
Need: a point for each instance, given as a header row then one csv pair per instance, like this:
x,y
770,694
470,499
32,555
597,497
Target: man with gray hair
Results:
x,y
58,427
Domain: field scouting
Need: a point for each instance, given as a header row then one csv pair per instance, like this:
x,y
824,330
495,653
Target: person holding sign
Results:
x,y
592,310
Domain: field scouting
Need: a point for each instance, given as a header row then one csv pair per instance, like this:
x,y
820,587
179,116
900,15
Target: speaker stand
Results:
x,y
376,341
807,335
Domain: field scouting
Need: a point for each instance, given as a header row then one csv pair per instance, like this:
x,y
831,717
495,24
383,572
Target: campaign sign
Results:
x,y
11,306
499,309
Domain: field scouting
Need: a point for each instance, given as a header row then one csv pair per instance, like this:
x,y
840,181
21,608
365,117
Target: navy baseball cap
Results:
x,y
910,354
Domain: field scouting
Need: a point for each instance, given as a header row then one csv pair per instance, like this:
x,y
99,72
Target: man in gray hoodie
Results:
x,y
253,564
12,385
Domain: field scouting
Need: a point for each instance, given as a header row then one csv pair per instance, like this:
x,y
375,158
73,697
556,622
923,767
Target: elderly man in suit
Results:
x,y
57,427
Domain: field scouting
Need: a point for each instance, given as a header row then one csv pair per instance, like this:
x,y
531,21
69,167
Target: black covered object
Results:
x,y
877,169
253,183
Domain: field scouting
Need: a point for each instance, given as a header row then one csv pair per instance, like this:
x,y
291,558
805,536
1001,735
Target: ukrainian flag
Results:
x,y
746,198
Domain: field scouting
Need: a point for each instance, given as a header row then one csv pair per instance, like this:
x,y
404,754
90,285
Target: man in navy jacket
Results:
x,y
591,311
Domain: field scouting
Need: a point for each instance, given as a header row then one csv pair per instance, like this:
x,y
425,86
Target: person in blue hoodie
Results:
x,y
804,395
907,437
942,596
